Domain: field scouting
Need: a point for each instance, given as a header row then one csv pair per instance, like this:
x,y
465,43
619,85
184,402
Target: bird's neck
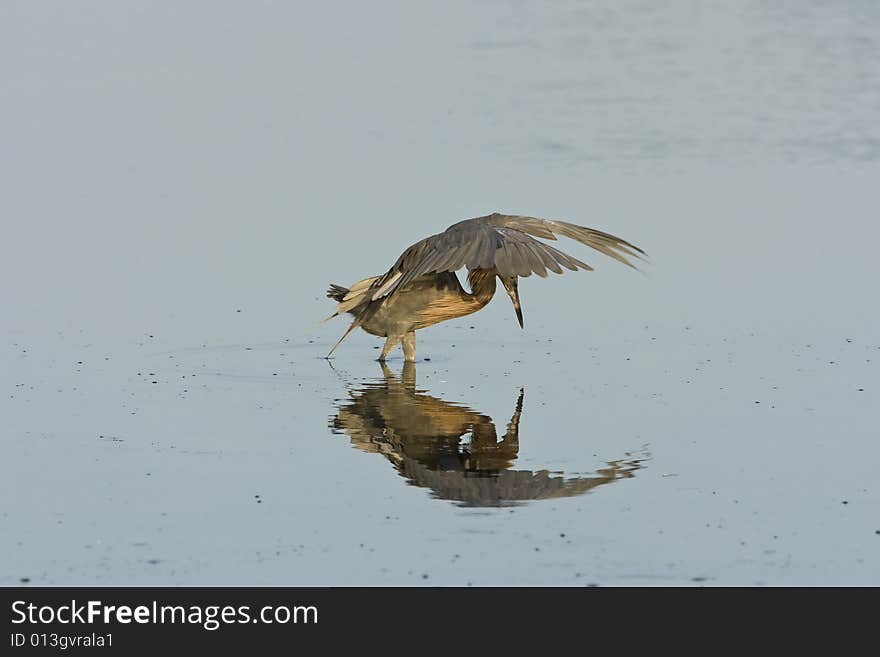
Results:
x,y
482,282
455,302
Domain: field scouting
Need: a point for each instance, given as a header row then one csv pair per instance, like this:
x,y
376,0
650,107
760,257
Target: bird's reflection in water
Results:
x,y
426,439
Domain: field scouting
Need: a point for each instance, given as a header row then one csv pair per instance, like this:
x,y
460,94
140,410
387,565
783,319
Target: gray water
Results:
x,y
181,182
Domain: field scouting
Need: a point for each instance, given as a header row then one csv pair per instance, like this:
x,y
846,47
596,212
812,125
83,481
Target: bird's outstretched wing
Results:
x,y
500,241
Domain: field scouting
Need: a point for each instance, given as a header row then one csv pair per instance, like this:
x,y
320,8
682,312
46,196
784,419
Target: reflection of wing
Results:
x,y
422,436
509,487
503,242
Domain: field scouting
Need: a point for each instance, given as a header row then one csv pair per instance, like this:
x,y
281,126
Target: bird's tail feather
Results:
x,y
336,292
351,300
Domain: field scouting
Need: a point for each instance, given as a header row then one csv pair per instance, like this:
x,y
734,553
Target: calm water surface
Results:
x,y
181,185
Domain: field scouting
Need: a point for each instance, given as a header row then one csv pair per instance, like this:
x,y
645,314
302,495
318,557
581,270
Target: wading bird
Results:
x,y
421,288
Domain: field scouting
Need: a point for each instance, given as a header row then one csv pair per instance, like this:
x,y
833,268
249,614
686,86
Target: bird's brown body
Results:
x,y
426,301
422,289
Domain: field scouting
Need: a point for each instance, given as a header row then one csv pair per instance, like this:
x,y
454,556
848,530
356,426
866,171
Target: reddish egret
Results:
x,y
422,289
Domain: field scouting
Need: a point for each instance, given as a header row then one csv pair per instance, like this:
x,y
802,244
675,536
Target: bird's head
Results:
x,y
509,283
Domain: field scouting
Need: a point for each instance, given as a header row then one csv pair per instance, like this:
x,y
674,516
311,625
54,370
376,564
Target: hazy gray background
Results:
x,y
179,182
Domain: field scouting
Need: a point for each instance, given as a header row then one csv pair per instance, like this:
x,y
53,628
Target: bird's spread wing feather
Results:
x,y
504,242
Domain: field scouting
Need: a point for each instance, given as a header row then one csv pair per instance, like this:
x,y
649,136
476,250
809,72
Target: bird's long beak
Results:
x,y
513,293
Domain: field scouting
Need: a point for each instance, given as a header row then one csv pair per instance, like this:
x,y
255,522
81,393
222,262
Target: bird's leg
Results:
x,y
386,371
390,343
408,342
408,375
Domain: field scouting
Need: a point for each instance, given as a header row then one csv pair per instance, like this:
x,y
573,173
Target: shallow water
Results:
x,y
181,186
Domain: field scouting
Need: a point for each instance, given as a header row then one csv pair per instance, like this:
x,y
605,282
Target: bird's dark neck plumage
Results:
x,y
482,282
450,299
